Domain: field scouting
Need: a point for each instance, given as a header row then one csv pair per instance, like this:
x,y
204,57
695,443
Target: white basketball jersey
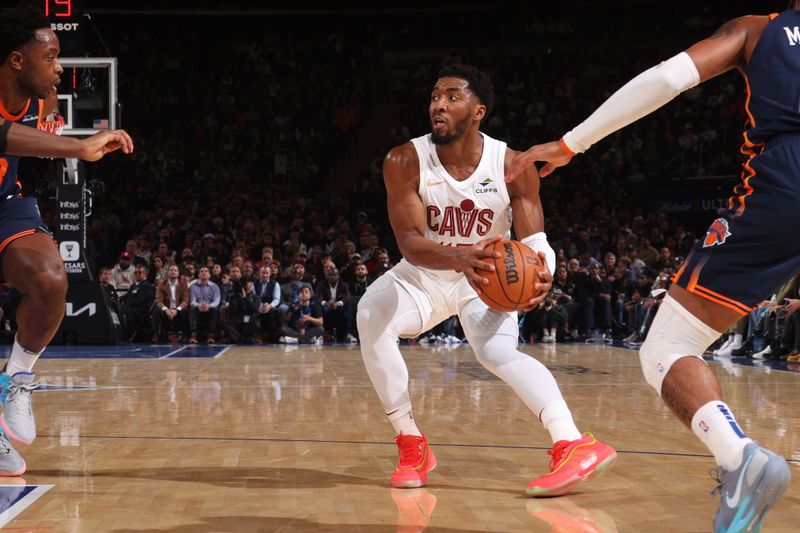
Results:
x,y
468,211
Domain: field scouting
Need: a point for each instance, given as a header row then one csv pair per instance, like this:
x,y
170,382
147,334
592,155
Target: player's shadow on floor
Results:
x,y
257,477
267,523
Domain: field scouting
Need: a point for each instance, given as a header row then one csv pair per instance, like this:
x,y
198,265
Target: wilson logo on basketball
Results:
x,y
460,220
717,234
510,262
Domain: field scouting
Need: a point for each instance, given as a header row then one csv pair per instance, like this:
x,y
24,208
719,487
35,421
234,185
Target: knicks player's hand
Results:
x,y
542,286
100,144
551,153
472,258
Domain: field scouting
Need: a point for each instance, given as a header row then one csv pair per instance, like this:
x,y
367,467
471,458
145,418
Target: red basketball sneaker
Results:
x,y
572,462
416,460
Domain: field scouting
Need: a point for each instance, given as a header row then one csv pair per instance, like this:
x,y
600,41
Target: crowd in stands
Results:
x,y
229,224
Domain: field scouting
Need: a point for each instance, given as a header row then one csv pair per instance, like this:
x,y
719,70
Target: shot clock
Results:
x,y
67,21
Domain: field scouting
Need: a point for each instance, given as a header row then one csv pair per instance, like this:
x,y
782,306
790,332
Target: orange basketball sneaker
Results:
x,y
572,462
416,460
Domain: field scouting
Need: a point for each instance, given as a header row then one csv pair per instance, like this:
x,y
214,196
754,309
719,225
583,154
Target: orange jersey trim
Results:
x,y
720,302
8,116
41,116
15,237
773,16
724,298
751,150
679,273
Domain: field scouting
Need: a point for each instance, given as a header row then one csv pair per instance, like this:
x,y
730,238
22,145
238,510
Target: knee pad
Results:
x,y
675,334
491,334
387,309
496,352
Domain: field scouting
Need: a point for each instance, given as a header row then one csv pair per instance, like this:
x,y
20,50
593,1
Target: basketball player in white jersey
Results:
x,y
447,200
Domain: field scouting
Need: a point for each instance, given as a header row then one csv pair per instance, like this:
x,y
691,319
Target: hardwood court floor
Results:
x,y
272,439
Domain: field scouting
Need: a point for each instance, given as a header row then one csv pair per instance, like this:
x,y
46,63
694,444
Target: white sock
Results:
x,y
557,419
715,425
21,360
737,341
403,421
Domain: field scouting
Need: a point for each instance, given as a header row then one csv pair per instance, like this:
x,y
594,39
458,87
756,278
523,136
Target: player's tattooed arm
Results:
x,y
729,47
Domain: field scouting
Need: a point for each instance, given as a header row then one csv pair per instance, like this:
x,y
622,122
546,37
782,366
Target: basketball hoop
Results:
x,y
55,126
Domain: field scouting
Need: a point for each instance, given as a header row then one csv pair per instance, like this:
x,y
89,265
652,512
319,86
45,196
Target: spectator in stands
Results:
x,y
781,335
190,271
267,254
637,266
380,262
243,303
666,261
158,269
304,321
334,297
269,296
647,253
247,268
132,247
137,305
277,272
547,322
122,274
105,283
204,300
290,291
142,254
216,273
172,304
599,293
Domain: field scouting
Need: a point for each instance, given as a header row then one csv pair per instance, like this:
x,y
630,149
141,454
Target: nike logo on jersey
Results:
x,y
433,183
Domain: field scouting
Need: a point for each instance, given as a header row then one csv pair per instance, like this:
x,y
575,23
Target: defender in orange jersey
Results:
x,y
745,255
29,260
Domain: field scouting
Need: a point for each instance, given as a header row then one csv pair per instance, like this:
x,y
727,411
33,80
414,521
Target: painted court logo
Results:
x,y
717,234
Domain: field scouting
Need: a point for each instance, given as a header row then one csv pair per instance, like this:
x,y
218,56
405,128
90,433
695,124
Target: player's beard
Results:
x,y
457,131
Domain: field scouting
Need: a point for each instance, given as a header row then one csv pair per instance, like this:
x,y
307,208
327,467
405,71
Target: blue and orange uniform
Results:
x,y
19,216
755,245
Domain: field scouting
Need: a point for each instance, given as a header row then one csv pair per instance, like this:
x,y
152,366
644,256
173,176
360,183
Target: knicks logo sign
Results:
x,y
460,220
717,234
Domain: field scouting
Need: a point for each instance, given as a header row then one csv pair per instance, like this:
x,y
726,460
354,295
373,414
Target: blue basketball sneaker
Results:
x,y
747,493
15,396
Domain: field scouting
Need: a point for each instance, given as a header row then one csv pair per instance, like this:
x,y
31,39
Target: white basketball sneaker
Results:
x,y
11,462
15,396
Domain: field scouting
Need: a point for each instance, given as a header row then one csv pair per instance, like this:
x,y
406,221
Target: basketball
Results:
x,y
511,285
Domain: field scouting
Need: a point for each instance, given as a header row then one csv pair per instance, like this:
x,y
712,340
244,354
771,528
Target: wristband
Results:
x,y
538,243
565,148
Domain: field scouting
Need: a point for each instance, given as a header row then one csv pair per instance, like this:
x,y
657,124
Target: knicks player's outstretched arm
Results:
x,y
526,208
24,141
728,48
408,219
